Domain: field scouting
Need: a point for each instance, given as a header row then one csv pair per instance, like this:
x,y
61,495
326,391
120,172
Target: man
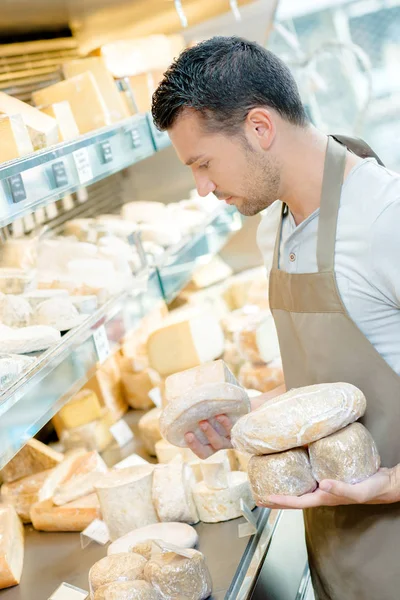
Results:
x,y
234,116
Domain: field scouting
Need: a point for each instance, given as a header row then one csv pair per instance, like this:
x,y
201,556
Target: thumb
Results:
x,y
338,488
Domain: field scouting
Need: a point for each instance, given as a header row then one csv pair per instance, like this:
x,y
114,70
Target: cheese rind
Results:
x,y
126,590
349,455
185,344
211,372
28,339
59,313
74,516
24,493
126,566
288,473
15,311
149,428
62,113
166,452
126,499
86,470
202,403
15,140
299,417
172,493
11,547
32,458
217,505
180,534
260,377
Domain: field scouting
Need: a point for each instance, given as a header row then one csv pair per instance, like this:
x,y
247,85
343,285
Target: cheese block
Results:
x,y
149,428
172,493
257,339
28,339
20,253
11,368
86,471
126,590
126,499
232,357
74,516
166,452
37,297
16,281
185,344
62,113
180,534
15,311
136,387
215,473
217,505
106,384
195,465
104,81
144,549
287,473
59,313
83,94
162,234
349,455
95,435
176,573
79,228
11,547
213,272
179,384
144,212
83,408
126,566
243,460
142,87
260,377
32,458
202,403
24,493
42,129
57,475
15,140
299,417
249,287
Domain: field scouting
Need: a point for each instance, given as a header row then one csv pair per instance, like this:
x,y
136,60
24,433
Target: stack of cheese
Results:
x,y
321,417
138,383
11,547
163,572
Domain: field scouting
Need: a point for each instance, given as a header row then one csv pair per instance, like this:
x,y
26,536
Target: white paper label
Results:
x,y
101,343
155,396
121,432
40,215
97,531
69,592
250,527
82,162
133,460
68,202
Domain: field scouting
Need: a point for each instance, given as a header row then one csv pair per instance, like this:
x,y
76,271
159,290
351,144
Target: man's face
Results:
x,y
234,168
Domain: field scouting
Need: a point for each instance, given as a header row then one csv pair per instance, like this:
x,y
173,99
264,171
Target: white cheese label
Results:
x,y
97,531
83,166
133,460
69,592
101,343
155,396
121,432
250,527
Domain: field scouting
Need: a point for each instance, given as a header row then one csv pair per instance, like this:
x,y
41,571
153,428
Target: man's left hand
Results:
x,y
381,488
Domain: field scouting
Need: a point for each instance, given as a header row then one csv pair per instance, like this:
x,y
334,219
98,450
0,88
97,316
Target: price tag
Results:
x,y
134,460
101,343
250,527
29,223
40,215
69,592
106,152
97,532
82,163
155,396
121,432
60,173
51,210
68,202
136,141
17,188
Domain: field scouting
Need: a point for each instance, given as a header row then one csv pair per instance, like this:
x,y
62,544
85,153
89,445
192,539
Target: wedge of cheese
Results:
x,y
32,458
185,343
42,129
62,113
15,140
136,387
24,493
11,547
149,428
85,471
74,516
83,408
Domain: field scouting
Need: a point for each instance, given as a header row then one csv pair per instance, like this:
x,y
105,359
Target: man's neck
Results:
x,y
303,170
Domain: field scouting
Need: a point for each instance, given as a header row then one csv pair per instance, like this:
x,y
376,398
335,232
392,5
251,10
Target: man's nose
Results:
x,y
204,185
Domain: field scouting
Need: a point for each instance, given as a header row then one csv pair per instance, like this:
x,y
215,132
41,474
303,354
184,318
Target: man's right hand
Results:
x,y
216,441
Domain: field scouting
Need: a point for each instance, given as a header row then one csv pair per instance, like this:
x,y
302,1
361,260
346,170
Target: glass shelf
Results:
x,y
48,175
27,405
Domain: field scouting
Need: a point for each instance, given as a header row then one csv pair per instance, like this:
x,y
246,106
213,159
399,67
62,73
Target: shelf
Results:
x,y
60,372
48,175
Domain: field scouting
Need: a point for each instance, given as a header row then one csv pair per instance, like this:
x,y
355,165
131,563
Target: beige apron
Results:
x,y
354,551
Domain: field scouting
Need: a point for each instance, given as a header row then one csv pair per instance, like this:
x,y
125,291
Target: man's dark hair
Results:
x,y
223,78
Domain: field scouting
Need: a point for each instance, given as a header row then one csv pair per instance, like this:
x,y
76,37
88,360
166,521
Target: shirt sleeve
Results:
x,y
385,251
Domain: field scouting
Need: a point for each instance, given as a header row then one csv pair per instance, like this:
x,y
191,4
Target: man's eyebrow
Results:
x,y
193,160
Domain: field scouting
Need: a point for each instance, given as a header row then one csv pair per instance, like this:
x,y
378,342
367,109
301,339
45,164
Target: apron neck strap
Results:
x,y
275,263
335,164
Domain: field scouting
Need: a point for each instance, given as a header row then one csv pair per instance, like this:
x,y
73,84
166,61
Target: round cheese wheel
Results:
x,y
126,590
202,403
179,534
172,493
299,417
260,377
349,455
59,313
217,505
288,473
119,567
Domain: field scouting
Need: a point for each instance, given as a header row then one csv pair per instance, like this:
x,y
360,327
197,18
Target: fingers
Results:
x,y
197,447
226,424
317,498
217,442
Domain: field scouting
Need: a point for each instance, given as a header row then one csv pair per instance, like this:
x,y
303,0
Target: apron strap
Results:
x,y
275,262
335,164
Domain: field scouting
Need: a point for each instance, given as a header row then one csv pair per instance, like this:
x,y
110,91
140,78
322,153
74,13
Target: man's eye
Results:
x,y
205,166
